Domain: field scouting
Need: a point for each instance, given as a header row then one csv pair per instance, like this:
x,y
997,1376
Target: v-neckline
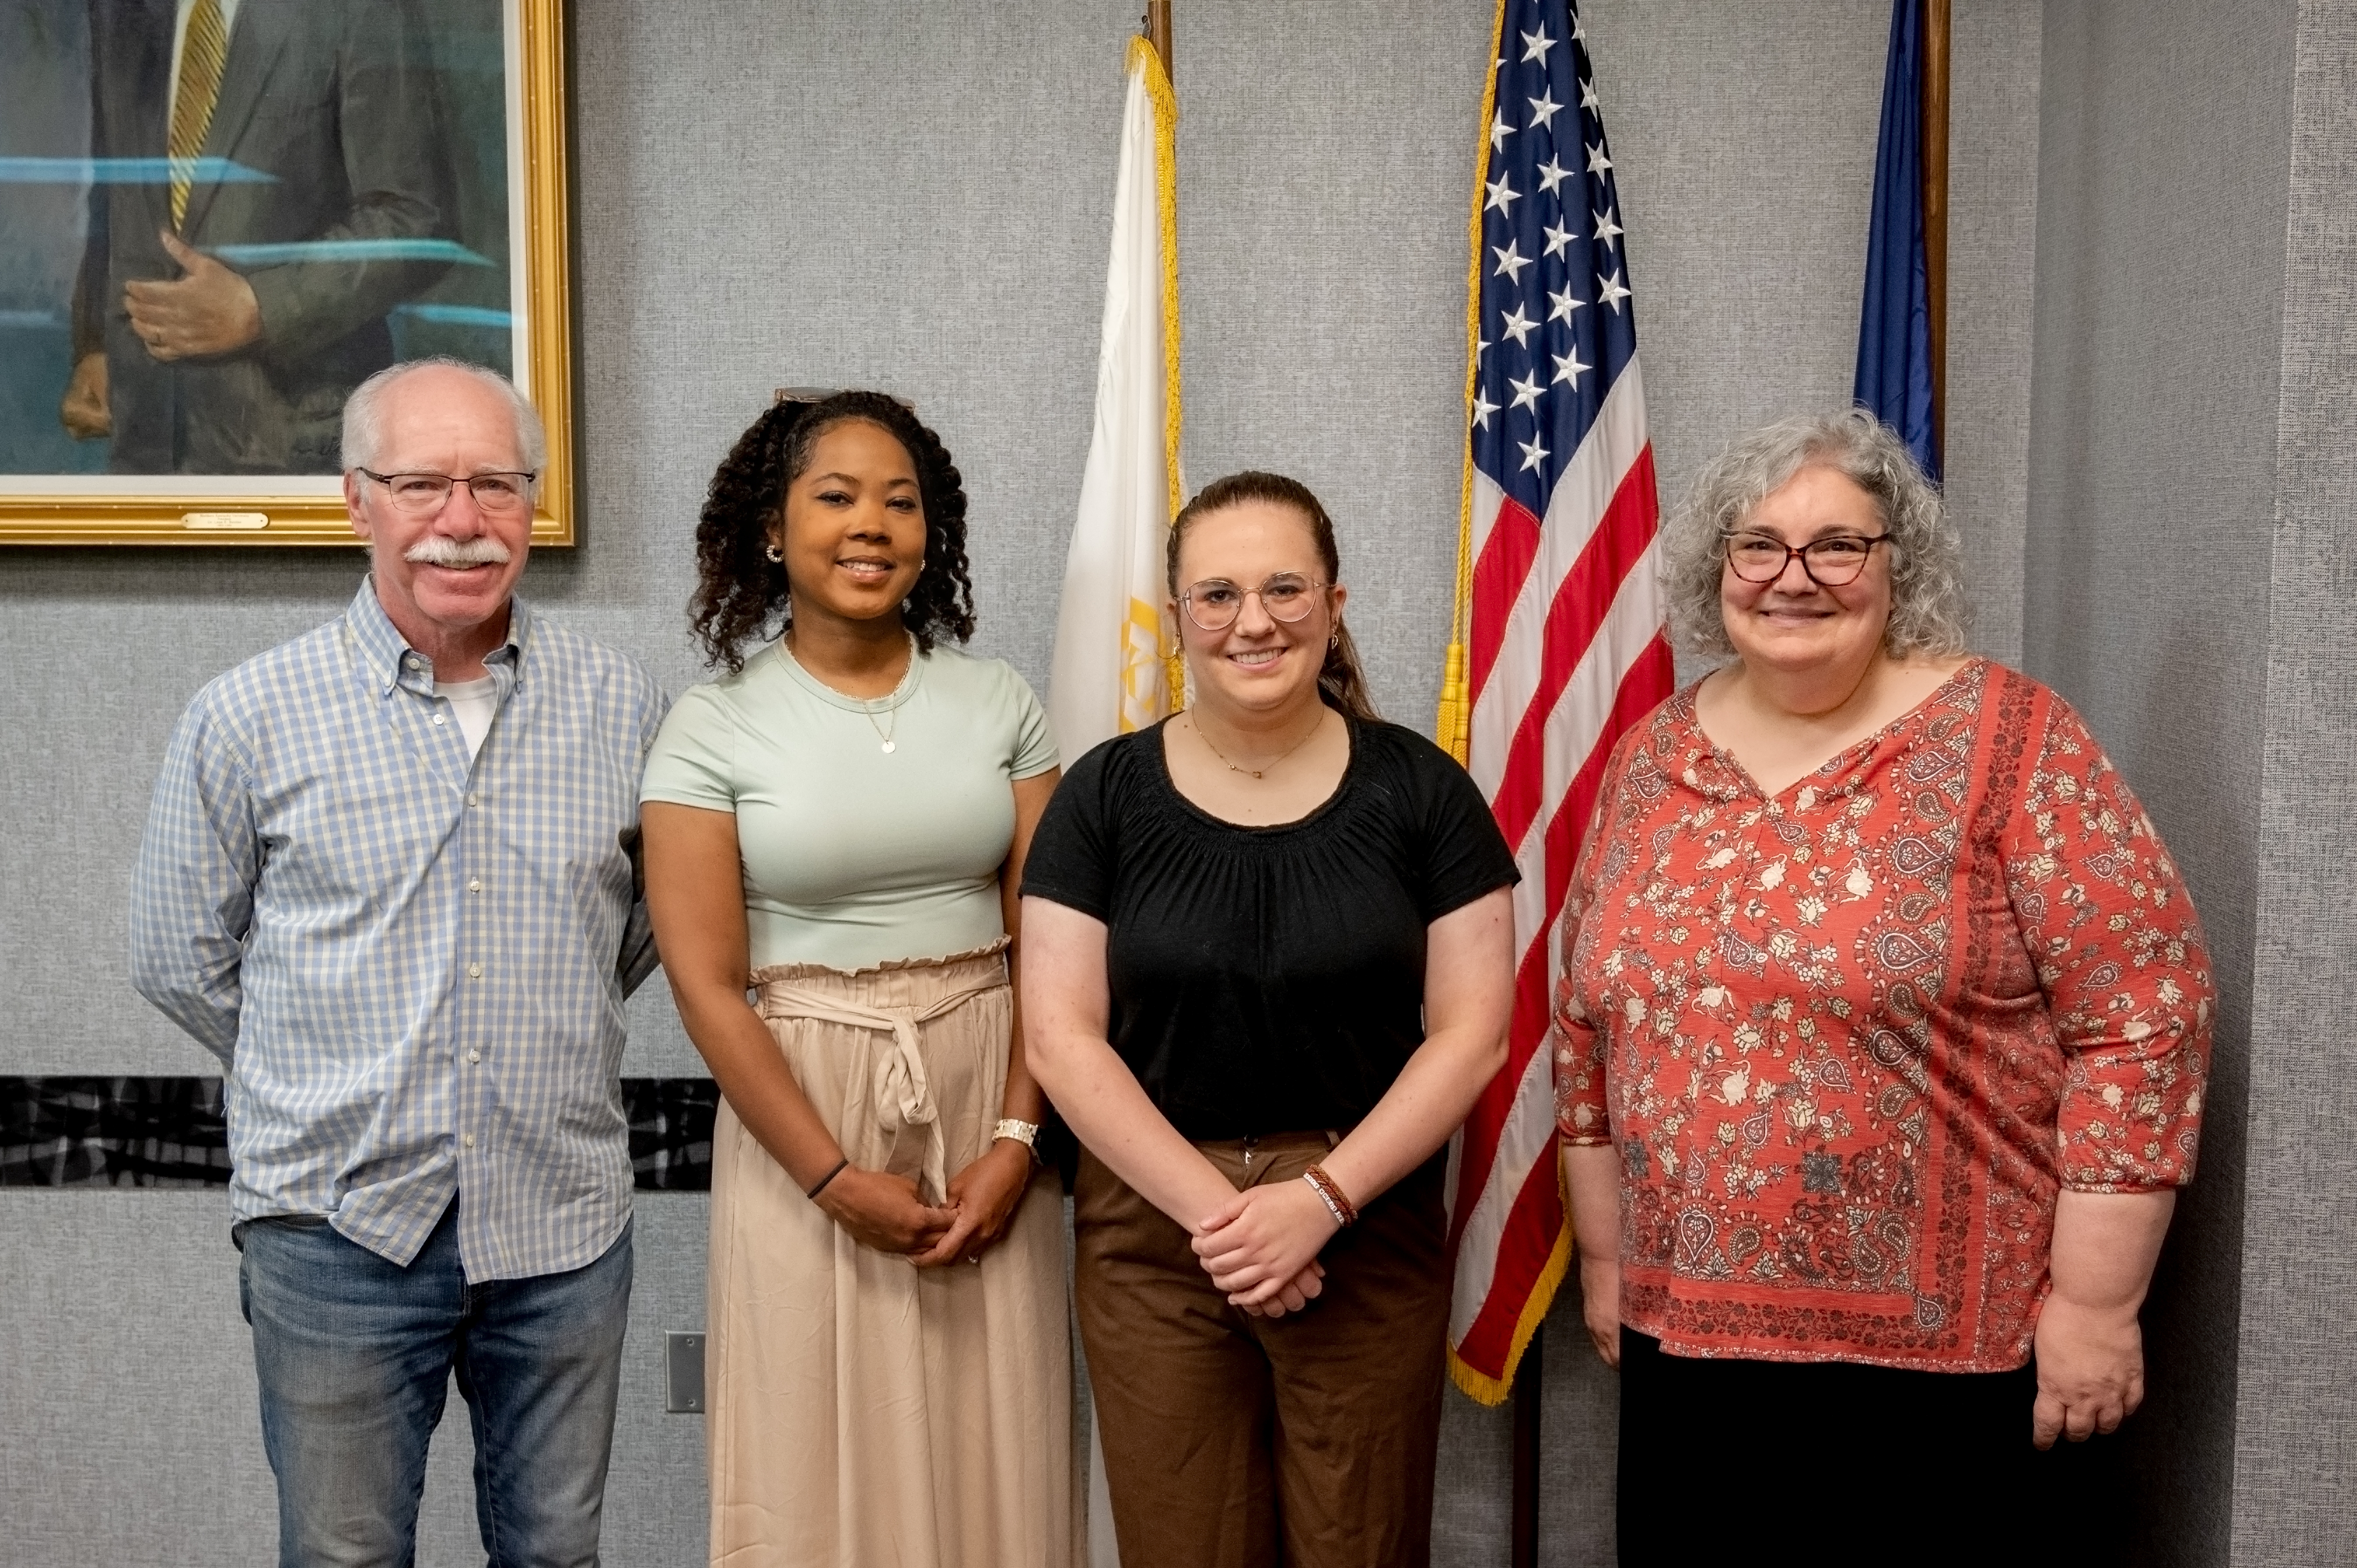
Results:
x,y
1859,749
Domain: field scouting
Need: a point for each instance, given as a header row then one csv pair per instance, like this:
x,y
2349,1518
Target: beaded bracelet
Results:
x,y
1330,1190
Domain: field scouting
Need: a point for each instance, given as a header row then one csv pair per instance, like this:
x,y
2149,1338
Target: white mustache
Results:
x,y
434,549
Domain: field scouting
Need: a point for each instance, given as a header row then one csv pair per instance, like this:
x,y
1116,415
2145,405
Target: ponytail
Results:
x,y
1341,684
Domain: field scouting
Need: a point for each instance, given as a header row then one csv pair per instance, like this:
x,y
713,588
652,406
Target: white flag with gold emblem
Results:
x,y
1115,665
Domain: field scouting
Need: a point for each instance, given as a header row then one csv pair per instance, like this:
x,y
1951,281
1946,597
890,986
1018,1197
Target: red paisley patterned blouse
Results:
x,y
1851,1041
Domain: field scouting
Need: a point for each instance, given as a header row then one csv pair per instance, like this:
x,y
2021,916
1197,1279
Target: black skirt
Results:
x,y
1831,1463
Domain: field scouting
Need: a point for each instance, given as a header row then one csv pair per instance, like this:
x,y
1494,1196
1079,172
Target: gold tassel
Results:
x,y
1452,728
1144,57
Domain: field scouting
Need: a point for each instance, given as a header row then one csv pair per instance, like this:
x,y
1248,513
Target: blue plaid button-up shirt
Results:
x,y
413,964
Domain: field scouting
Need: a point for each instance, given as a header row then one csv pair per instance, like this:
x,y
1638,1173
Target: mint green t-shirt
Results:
x,y
853,855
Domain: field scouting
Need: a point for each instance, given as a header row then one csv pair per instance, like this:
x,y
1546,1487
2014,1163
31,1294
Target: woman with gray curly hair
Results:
x,y
1881,1044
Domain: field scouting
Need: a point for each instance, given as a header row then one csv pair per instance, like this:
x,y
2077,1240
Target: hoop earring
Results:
x,y
776,556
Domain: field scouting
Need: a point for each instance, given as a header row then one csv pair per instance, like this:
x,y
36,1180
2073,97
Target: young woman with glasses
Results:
x,y
1267,970
837,826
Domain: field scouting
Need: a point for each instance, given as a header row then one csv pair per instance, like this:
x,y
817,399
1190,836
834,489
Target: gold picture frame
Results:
x,y
308,510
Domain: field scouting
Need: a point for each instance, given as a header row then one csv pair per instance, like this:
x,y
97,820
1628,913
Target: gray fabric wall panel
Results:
x,y
1473,1500
1743,137
1580,1443
128,1376
103,650
2151,497
1323,188
131,1433
1992,263
906,196
916,196
2296,1440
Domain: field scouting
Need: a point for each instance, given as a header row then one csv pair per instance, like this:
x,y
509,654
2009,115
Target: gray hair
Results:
x,y
364,413
1928,612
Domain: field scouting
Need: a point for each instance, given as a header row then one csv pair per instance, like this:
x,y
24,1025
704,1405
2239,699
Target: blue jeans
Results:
x,y
354,1356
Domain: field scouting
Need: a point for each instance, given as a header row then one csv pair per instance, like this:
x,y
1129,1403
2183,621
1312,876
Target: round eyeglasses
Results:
x,y
422,495
1214,603
1833,562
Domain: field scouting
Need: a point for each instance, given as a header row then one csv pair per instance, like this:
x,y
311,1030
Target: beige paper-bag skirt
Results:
x,y
864,1412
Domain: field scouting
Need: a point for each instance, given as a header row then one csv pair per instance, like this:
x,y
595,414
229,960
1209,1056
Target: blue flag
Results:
x,y
1894,330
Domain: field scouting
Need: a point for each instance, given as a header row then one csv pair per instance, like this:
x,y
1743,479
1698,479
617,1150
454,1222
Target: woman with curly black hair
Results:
x,y
836,828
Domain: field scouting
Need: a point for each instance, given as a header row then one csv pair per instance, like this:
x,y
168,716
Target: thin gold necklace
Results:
x,y
1262,771
785,646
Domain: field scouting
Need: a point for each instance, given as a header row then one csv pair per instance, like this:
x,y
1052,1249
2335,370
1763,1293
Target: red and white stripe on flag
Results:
x,y
1563,621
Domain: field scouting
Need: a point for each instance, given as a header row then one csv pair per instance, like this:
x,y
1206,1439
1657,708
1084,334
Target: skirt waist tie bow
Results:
x,y
901,1094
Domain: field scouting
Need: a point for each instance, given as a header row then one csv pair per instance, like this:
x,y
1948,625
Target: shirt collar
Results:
x,y
388,655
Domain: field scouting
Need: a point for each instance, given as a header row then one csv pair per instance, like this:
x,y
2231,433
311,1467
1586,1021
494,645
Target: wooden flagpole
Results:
x,y
1935,208
1157,28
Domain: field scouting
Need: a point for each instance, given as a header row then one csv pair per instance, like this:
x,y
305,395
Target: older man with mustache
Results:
x,y
389,880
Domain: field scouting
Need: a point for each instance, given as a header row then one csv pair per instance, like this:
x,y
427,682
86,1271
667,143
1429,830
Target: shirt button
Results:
x,y
470,1139
473,800
474,1056
438,719
474,971
474,884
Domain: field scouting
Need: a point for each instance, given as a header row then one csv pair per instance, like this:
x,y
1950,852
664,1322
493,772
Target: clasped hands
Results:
x,y
882,1210
1262,1246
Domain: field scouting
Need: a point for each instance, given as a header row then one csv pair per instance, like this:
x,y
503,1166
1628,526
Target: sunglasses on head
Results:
x,y
820,394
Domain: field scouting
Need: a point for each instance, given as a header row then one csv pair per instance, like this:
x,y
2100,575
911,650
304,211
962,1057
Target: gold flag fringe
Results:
x,y
1452,727
1144,60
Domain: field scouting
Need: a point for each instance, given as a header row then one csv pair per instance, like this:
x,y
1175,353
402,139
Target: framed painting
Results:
x,y
218,217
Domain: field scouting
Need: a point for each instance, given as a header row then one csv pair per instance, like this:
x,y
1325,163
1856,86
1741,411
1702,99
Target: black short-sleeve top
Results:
x,y
1268,978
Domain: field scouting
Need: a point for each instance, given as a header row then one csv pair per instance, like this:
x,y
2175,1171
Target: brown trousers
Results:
x,y
1232,1440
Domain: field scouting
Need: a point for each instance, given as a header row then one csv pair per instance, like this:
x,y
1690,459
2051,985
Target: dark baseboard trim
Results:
x,y
171,1132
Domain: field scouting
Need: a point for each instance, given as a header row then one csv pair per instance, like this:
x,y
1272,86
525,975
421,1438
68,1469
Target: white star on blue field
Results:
x,y
1556,324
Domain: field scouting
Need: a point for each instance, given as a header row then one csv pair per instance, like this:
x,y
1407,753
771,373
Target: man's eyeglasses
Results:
x,y
1214,603
422,495
1833,562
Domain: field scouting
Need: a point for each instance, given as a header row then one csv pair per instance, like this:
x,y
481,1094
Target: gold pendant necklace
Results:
x,y
785,646
1264,769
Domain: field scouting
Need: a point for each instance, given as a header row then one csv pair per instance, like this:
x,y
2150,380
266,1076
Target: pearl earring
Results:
x,y
776,555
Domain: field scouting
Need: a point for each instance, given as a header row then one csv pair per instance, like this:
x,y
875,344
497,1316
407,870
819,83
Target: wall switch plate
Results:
x,y
683,1373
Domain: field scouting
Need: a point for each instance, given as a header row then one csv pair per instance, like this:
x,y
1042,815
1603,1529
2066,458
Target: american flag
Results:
x,y
1563,610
